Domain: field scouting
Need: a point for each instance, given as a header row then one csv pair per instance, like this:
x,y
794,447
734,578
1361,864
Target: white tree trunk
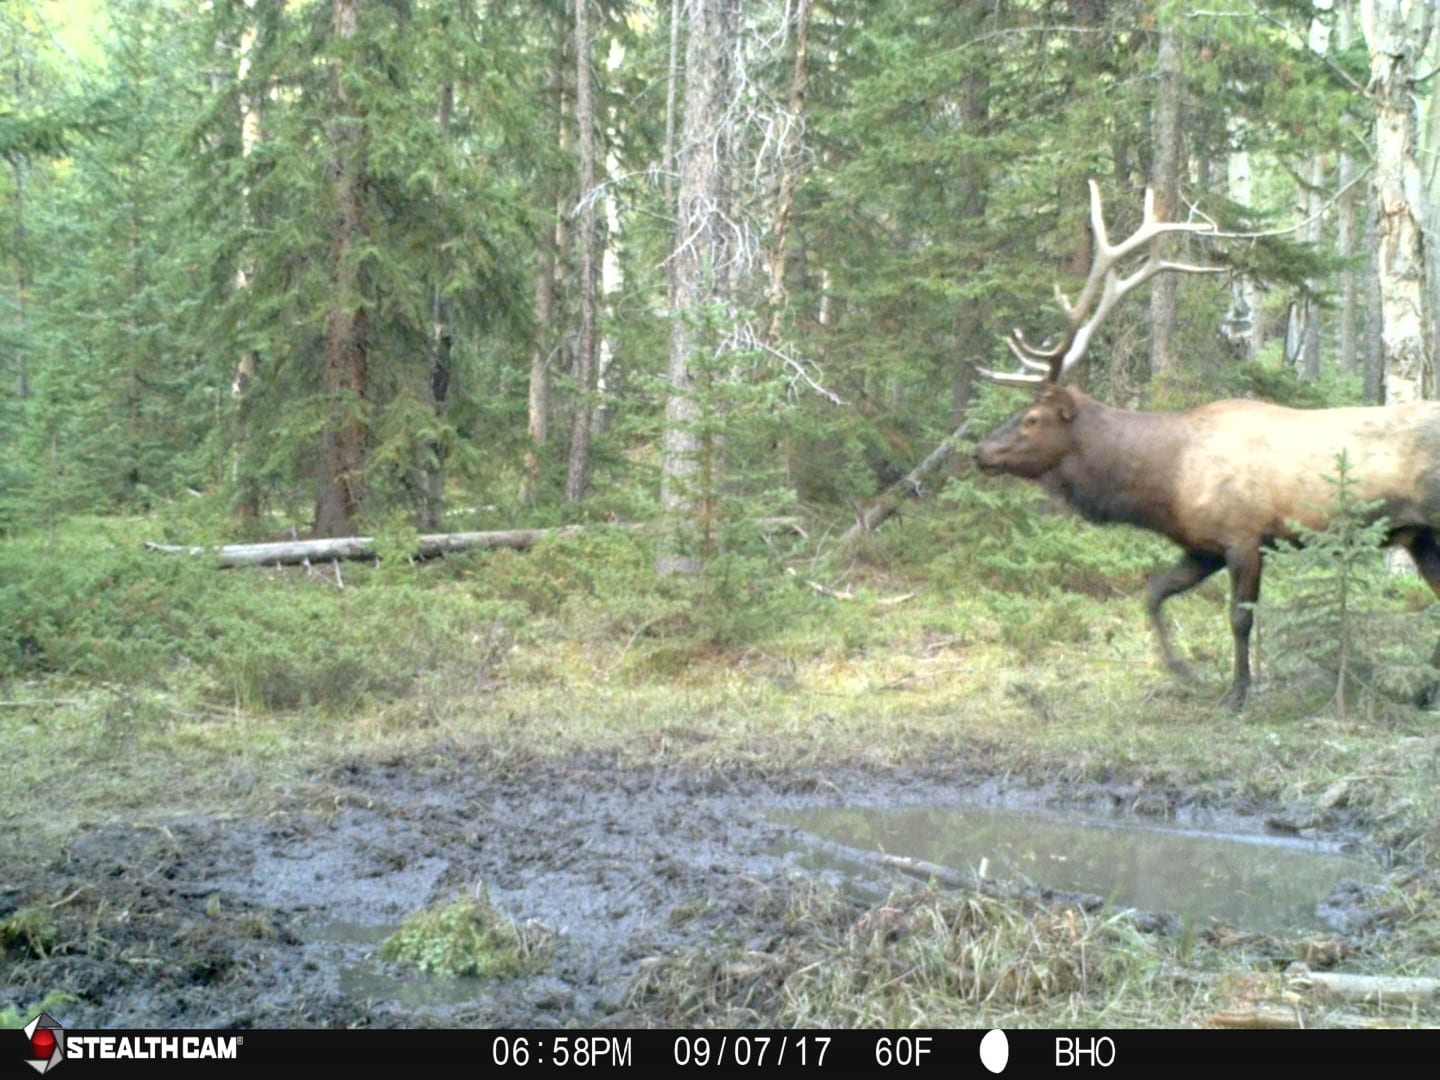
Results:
x,y
1395,34
1167,169
247,503
1348,226
1242,322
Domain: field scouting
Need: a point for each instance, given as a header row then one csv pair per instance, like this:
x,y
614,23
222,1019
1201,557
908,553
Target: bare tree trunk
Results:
x,y
19,173
577,473
1431,154
970,331
1348,240
22,277
550,254
432,494
1169,153
345,379
1349,230
247,499
1373,353
697,268
1396,33
673,75
1305,311
791,162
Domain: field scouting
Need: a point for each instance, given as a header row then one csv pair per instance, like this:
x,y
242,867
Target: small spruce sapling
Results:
x,y
1321,616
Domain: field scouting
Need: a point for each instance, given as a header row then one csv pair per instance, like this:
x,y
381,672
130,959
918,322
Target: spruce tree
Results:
x,y
387,244
1324,612
122,395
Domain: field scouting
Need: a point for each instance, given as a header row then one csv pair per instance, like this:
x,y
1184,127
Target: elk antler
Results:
x,y
1104,287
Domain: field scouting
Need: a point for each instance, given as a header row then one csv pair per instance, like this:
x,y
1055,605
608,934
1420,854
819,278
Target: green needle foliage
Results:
x,y
1328,610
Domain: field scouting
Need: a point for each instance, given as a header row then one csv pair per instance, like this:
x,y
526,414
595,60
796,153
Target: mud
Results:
x,y
205,921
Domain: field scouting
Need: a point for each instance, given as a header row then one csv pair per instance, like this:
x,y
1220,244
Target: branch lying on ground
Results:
x,y
430,546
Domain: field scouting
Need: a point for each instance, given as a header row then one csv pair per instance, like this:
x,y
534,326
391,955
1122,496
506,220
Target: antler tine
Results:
x,y
1101,261
1013,378
1031,355
1103,280
1039,371
1104,287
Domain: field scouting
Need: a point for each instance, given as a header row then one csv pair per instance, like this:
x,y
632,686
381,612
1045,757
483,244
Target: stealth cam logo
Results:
x,y
47,1043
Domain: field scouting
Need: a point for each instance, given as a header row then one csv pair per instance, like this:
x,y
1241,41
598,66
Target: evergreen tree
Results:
x,y
1325,615
379,208
122,396
375,212
38,122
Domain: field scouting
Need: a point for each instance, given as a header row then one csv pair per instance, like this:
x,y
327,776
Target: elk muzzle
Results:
x,y
988,459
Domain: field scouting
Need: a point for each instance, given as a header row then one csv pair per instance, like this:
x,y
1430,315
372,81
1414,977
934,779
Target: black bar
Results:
x,y
115,1053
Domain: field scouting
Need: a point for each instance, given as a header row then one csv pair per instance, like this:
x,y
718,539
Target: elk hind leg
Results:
x,y
1193,568
1425,551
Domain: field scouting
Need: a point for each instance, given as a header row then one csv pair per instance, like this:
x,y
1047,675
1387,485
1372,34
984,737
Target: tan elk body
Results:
x,y
1224,480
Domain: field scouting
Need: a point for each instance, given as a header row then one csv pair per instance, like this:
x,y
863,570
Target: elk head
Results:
x,y
1038,438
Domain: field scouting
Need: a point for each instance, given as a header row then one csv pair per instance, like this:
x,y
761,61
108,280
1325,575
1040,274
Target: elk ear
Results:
x,y
1063,400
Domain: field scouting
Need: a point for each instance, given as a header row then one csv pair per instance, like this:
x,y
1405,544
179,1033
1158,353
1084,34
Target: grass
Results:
x,y
927,958
466,938
936,958
134,684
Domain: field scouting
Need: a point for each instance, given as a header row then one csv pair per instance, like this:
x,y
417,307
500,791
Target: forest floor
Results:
x,y
223,796
196,919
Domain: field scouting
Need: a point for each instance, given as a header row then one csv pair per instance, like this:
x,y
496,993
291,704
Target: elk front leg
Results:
x,y
1244,566
1193,568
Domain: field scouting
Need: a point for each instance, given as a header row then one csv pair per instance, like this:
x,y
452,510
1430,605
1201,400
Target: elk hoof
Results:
x,y
1180,669
1234,699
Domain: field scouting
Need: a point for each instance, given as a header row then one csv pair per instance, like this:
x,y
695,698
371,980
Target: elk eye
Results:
x,y
1029,421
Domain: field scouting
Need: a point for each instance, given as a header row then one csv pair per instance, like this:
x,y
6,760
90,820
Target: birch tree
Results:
x,y
1168,164
1396,34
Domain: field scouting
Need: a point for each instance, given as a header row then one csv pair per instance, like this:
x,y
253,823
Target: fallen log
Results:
x,y
427,546
295,552
1283,1016
1260,1016
1374,989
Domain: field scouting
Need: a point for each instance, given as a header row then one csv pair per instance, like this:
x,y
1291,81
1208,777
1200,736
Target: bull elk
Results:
x,y
1223,481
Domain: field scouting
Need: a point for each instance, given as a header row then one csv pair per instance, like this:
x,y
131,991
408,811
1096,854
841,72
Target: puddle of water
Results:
x,y
414,991
1256,882
362,975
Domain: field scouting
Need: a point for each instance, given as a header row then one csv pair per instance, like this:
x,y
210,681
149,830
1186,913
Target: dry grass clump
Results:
x,y
922,958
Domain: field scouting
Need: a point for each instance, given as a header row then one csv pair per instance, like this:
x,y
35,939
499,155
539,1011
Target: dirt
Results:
x,y
234,921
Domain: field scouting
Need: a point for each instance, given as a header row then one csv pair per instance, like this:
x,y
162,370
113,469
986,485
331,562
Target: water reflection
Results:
x,y
1258,882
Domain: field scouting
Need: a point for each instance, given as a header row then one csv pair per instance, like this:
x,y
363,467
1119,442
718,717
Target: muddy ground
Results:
x,y
239,921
